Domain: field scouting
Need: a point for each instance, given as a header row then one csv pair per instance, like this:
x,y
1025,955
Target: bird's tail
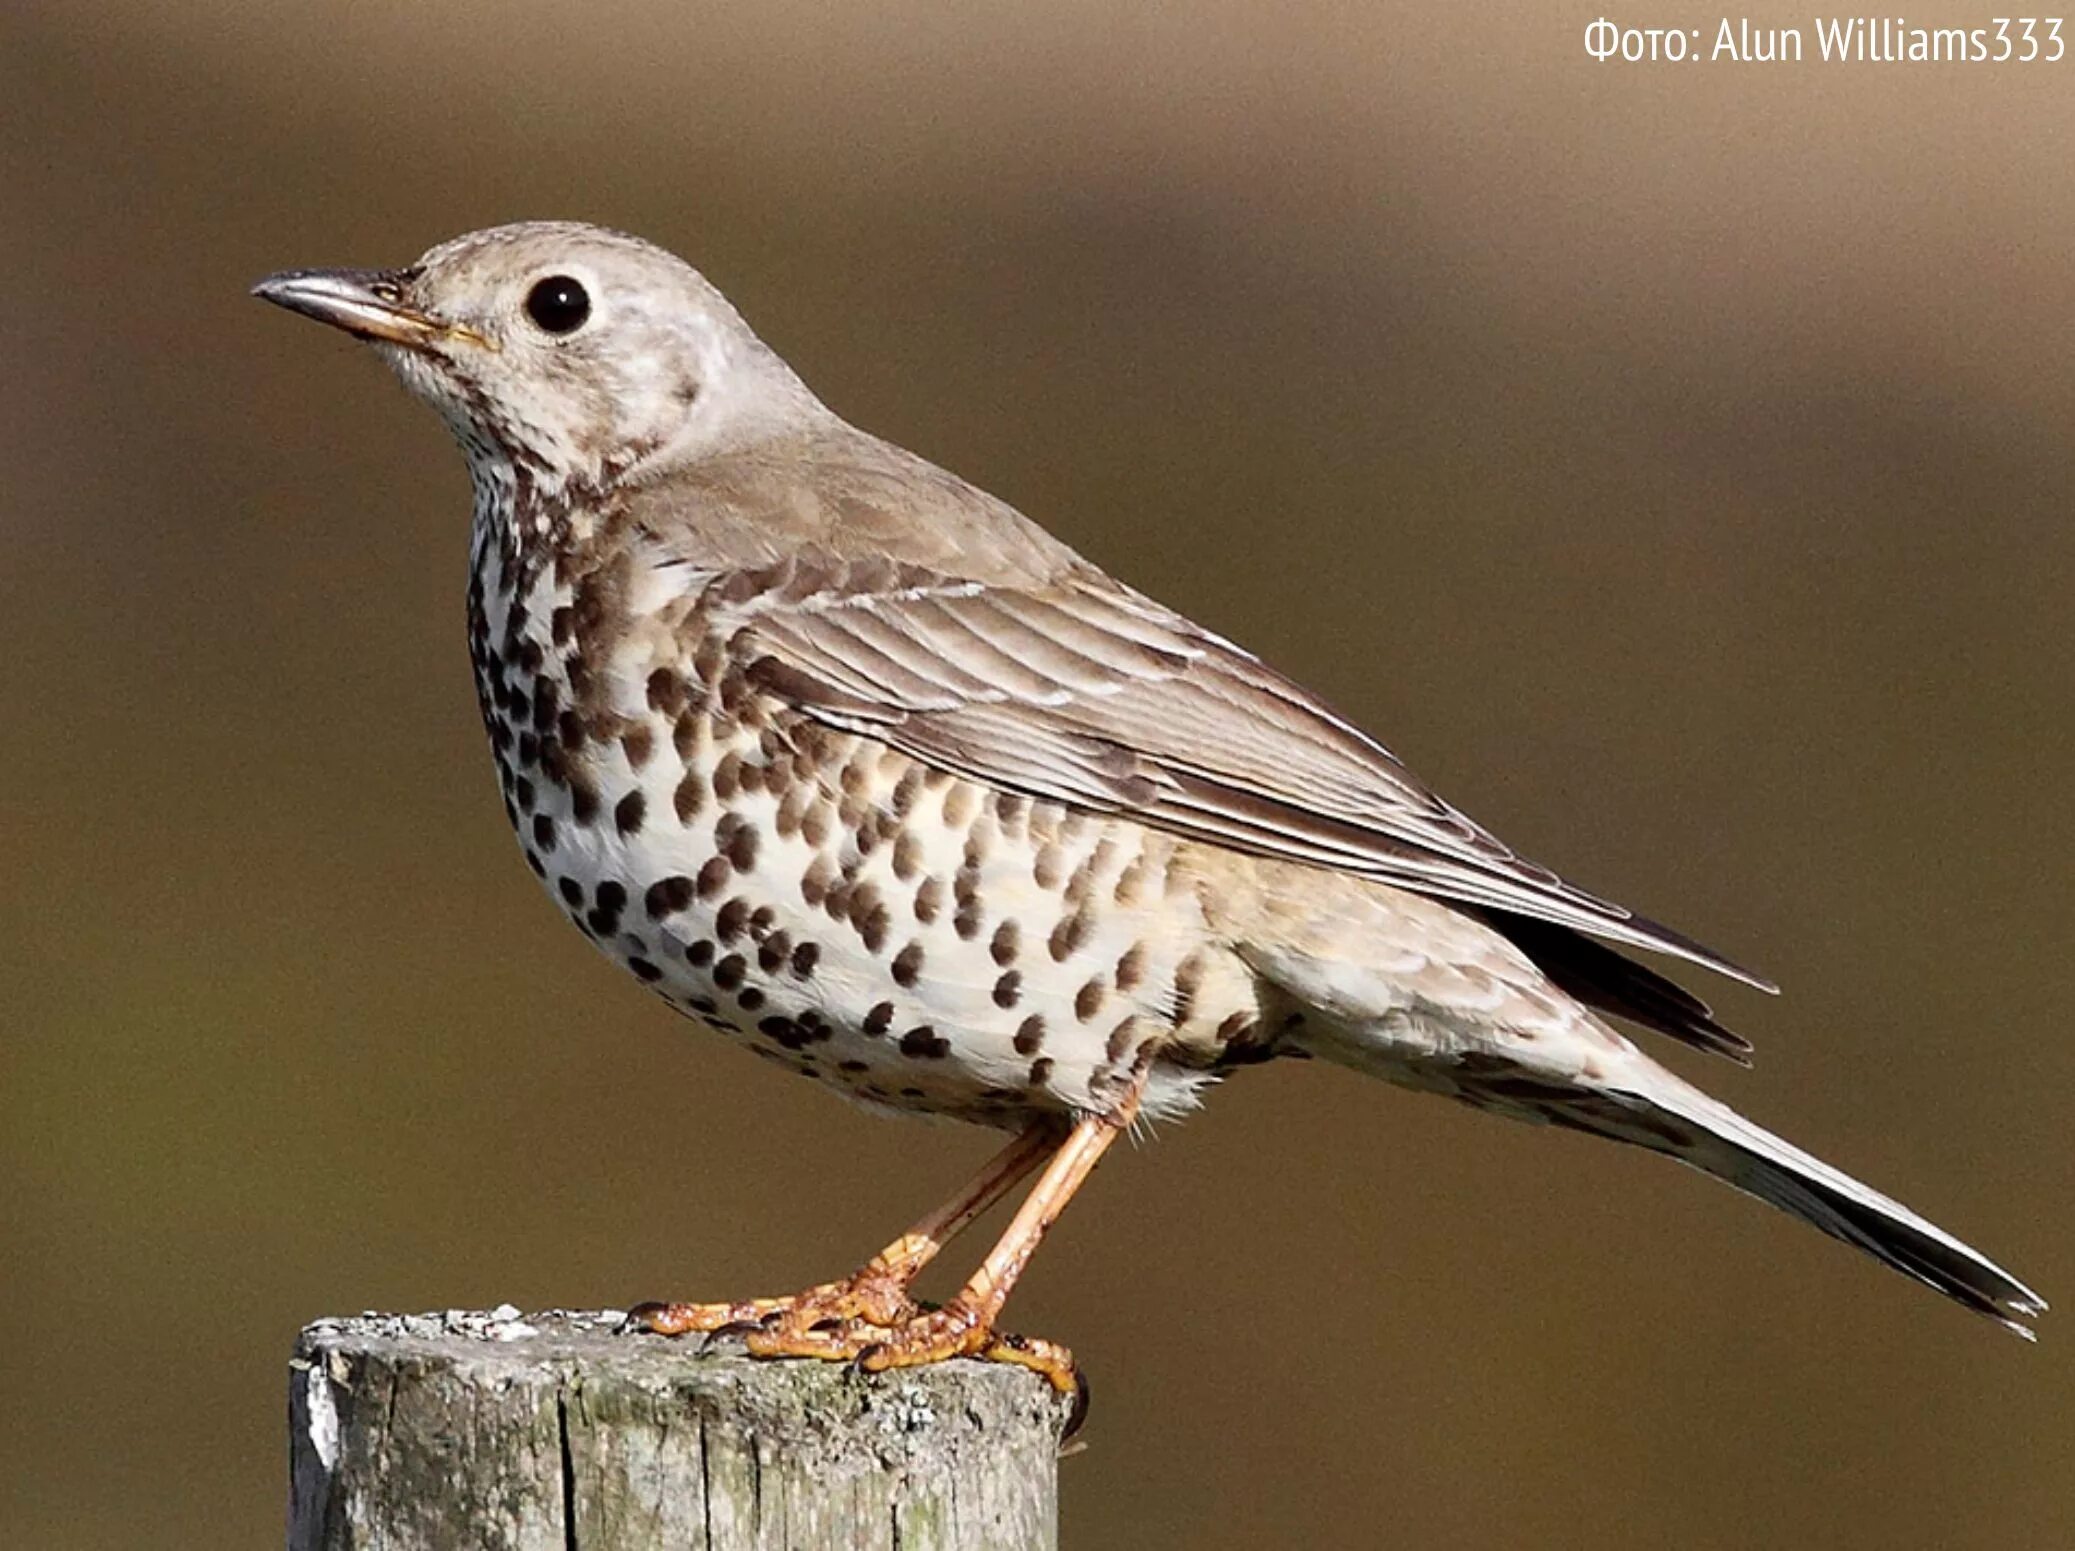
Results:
x,y
1657,1110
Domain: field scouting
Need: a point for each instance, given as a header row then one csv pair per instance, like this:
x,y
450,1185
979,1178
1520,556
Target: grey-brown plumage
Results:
x,y
851,761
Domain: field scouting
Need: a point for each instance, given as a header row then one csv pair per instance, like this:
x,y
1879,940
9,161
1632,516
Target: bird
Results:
x,y
858,766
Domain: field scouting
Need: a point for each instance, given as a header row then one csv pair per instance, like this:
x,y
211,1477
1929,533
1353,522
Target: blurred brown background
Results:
x,y
1674,464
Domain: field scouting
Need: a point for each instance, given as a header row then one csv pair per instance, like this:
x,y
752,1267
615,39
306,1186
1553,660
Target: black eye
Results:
x,y
558,304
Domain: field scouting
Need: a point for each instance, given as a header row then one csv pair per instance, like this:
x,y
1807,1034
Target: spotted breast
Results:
x,y
919,941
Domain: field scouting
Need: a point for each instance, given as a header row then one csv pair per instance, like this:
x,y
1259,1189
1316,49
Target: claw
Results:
x,y
1077,1418
643,1317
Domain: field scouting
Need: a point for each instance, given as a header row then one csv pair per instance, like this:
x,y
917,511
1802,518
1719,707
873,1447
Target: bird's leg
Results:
x,y
964,1327
877,1292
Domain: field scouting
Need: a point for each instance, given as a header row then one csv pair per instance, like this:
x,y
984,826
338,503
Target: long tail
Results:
x,y
1656,1110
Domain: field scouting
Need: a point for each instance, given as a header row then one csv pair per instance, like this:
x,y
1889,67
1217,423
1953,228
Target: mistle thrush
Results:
x,y
854,764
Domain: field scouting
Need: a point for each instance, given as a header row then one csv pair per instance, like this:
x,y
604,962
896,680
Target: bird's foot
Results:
x,y
876,1298
922,1336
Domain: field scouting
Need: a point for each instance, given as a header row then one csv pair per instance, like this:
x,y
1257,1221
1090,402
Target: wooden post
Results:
x,y
552,1432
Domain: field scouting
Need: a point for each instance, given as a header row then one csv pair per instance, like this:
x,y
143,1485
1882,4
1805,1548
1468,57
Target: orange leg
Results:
x,y
877,1293
964,1327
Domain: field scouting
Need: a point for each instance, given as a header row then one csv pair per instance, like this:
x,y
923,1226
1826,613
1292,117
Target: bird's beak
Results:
x,y
366,303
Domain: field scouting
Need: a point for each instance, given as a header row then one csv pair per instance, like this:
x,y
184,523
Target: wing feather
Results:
x,y
1088,694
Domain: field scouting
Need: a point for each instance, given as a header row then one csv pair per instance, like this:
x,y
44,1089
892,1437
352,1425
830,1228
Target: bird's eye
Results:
x,y
558,304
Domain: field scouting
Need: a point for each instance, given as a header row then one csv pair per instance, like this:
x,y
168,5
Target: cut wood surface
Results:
x,y
555,1432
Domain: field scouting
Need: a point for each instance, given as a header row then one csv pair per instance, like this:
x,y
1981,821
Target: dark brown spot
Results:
x,y
727,777
571,891
666,692
523,790
879,1019
929,900
1188,980
1007,939
569,729
868,913
784,1030
1131,967
970,920
610,899
1048,867
1068,936
560,623
816,824
730,972
713,877
644,969
835,899
543,831
628,811
805,957
925,1042
1030,1035
1130,887
773,950
1088,1000
699,953
1040,1071
732,919
906,790
689,797
853,1066
853,815
814,882
907,965
533,860
1008,990
742,847
637,743
1083,879
583,800
907,856
750,998
667,895
708,660
1119,1042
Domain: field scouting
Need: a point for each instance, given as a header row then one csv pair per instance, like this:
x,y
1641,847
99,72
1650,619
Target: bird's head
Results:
x,y
582,355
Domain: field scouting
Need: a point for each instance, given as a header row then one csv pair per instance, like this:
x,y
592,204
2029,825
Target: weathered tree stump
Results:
x,y
554,1432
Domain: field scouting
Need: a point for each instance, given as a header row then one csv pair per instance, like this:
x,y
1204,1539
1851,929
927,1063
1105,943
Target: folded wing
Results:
x,y
1086,693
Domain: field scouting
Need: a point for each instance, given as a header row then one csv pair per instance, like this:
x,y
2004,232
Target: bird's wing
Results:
x,y
1085,693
